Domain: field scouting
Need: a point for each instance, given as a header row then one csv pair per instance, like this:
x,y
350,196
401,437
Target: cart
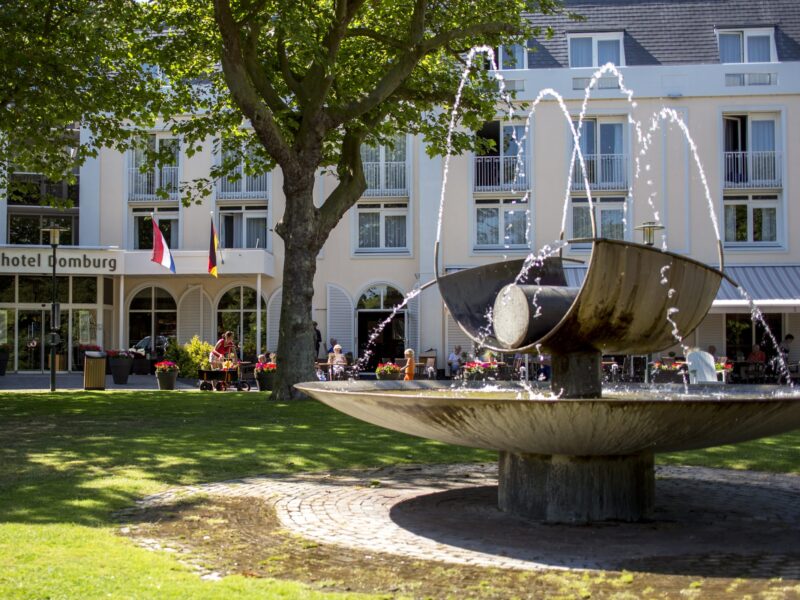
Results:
x,y
223,379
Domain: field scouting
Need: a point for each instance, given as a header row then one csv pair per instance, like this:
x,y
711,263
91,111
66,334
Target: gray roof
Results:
x,y
772,282
669,32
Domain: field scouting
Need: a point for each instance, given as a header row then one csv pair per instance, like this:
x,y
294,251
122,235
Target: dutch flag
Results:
x,y
161,253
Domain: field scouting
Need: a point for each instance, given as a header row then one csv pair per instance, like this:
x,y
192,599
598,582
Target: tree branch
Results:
x,y
243,91
256,72
352,183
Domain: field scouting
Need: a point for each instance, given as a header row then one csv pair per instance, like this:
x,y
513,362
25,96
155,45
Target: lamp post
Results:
x,y
55,312
648,229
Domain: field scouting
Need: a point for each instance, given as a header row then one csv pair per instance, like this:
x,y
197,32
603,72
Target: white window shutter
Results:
x,y
412,324
274,320
195,317
456,337
341,319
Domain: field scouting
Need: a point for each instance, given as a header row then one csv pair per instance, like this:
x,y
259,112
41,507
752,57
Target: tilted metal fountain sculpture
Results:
x,y
576,454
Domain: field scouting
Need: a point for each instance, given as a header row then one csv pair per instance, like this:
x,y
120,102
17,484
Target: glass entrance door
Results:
x,y
32,348
31,341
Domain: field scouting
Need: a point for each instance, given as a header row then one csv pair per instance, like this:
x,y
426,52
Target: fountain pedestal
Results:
x,y
576,489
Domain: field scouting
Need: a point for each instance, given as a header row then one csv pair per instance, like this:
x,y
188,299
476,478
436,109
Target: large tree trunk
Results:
x,y
297,347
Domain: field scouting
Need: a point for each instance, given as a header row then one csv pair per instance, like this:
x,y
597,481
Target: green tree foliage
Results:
x,y
190,357
70,63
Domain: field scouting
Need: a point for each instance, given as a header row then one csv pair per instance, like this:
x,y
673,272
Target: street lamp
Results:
x,y
55,310
648,229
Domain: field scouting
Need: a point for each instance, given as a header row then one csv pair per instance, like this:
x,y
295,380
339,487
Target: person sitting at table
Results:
x,y
757,355
338,362
454,360
410,365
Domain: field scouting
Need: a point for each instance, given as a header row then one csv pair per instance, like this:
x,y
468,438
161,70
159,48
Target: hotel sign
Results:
x,y
69,261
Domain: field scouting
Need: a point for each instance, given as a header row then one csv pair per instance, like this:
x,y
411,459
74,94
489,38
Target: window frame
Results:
x,y
385,208
753,201
600,204
162,214
617,36
244,193
156,171
504,205
744,33
247,210
383,190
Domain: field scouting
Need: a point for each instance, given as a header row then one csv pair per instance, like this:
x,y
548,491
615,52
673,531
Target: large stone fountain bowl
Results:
x,y
625,421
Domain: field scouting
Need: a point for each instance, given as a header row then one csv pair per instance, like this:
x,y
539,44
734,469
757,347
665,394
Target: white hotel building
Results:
x,y
730,70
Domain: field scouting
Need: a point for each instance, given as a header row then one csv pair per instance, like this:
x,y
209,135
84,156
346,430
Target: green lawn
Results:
x,y
68,461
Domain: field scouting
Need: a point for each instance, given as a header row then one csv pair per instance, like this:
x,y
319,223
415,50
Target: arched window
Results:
x,y
373,309
237,312
152,320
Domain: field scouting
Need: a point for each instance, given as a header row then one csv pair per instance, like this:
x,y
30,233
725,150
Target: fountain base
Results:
x,y
576,489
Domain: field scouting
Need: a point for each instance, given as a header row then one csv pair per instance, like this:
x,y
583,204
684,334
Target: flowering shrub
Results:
x,y
471,369
667,366
726,366
166,366
388,369
118,354
265,367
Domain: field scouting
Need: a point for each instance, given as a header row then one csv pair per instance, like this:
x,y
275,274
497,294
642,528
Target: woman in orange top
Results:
x,y
410,365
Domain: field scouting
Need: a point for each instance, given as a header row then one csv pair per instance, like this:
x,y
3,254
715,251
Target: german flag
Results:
x,y
212,251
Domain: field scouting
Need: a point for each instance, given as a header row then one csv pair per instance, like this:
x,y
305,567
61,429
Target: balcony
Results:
x,y
142,186
752,170
501,174
240,187
604,171
386,179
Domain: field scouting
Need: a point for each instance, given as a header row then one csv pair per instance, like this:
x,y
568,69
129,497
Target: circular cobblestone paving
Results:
x,y
707,522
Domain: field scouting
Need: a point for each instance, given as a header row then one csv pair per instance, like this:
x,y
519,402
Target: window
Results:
x,y
751,219
385,168
602,145
609,214
25,226
237,312
243,226
143,227
503,164
152,320
746,46
501,223
382,226
249,178
750,157
595,50
151,183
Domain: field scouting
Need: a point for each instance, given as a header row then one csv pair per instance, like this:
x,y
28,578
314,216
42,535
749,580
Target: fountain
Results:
x,y
578,453
575,453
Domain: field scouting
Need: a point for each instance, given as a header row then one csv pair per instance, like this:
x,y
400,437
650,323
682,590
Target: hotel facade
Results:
x,y
733,78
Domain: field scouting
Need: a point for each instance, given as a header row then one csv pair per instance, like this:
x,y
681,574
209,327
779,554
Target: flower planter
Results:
x,y
669,376
265,380
166,379
390,376
120,368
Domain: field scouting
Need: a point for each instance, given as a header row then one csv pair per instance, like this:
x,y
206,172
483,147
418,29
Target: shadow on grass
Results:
x,y
78,457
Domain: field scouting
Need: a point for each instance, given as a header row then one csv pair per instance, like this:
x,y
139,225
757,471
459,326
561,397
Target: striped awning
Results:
x,y
770,286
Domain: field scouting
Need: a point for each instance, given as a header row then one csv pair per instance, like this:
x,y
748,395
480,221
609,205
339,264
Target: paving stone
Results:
x,y
708,522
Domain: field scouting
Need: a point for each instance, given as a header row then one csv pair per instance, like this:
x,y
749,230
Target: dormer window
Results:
x,y
746,46
596,49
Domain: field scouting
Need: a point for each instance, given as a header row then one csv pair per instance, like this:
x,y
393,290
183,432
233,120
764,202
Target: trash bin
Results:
x,y
94,371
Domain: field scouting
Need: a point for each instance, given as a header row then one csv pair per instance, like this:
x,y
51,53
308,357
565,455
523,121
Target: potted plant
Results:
x,y
5,352
389,371
478,370
120,362
166,374
671,371
265,375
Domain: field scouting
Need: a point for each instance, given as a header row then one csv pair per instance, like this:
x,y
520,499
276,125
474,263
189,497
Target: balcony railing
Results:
x,y
245,186
143,186
387,178
747,170
604,172
501,174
